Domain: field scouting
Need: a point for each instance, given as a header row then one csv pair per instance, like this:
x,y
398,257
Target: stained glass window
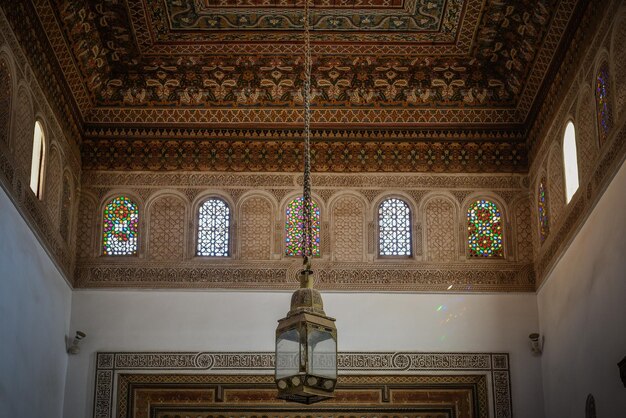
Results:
x,y
542,203
213,229
484,227
394,227
294,219
120,227
603,103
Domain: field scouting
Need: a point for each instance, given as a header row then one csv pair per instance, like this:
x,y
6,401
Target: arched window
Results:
x,y
394,228
213,229
603,103
294,219
542,209
37,160
484,230
120,227
570,162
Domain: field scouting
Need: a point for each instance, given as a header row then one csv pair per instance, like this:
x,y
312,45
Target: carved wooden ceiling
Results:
x,y
384,70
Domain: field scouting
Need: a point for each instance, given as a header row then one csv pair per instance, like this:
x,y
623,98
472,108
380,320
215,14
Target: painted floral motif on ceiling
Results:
x,y
373,15
117,72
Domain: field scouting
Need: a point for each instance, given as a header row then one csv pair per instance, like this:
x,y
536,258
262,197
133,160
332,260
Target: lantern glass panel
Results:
x,y
322,348
288,354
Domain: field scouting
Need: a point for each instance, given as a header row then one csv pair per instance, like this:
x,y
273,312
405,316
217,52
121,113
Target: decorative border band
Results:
x,y
108,364
501,277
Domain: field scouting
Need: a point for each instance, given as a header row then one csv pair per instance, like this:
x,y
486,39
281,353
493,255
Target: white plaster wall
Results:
x,y
35,306
582,311
245,321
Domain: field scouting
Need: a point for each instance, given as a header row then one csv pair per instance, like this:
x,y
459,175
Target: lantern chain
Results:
x,y
307,206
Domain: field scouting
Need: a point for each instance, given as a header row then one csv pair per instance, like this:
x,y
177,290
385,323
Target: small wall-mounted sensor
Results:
x,y
536,343
74,347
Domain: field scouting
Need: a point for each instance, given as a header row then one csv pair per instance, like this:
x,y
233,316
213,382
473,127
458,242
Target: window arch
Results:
x,y
394,228
484,227
604,110
570,161
37,160
294,219
213,229
542,210
120,227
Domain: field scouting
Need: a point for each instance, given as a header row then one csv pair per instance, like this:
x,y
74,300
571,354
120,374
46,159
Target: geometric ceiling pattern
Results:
x,y
471,62
413,73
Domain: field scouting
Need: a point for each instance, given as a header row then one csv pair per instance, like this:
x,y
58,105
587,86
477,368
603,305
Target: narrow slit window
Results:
x,y
570,161
37,162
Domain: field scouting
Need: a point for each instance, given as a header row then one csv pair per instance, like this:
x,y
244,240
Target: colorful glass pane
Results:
x,y
603,103
293,228
213,228
484,226
394,228
120,227
542,202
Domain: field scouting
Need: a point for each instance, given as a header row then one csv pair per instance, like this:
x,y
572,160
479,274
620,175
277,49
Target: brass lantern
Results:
x,y
306,339
306,347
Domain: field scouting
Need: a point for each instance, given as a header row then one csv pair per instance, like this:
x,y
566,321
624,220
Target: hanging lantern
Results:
x,y
306,339
306,347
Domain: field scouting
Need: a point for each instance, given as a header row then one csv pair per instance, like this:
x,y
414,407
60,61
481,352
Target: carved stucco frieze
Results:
x,y
348,259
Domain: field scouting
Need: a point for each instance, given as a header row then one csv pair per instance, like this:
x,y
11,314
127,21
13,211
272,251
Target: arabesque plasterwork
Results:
x,y
347,262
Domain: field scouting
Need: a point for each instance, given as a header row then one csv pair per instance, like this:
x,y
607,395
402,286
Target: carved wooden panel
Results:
x,y
167,228
441,231
255,228
6,91
347,232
